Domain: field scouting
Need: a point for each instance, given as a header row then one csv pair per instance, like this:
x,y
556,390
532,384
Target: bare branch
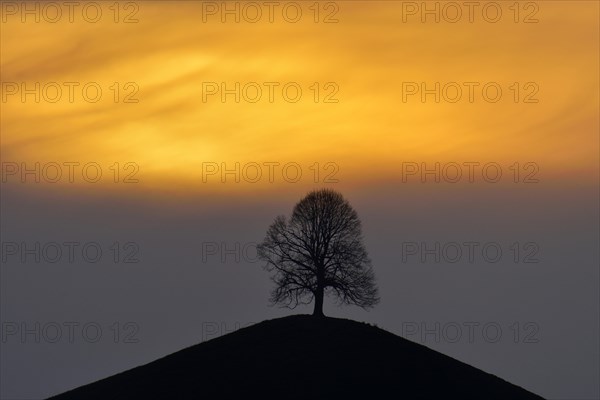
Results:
x,y
319,250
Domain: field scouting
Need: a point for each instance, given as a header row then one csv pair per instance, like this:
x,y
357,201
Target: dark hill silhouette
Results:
x,y
304,357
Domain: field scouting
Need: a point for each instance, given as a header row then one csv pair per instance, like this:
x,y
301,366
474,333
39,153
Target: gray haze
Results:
x,y
177,299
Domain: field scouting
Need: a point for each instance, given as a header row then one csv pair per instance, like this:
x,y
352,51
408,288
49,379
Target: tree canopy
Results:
x,y
317,251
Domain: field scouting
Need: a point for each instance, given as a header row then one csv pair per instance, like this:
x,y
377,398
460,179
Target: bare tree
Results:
x,y
319,251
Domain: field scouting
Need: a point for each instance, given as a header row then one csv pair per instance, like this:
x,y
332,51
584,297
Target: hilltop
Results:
x,y
304,357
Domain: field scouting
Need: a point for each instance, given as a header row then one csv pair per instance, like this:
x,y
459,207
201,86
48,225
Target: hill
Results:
x,y
304,357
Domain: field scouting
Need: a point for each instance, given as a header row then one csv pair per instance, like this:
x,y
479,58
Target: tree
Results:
x,y
319,251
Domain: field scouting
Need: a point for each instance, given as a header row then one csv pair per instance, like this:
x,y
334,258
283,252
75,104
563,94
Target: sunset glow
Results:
x,y
170,60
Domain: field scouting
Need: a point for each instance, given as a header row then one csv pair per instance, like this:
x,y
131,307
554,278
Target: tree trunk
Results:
x,y
318,311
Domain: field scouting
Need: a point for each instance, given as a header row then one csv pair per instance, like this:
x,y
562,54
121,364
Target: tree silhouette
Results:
x,y
319,251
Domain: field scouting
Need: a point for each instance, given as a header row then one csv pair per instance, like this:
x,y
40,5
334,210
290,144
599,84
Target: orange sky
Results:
x,y
367,55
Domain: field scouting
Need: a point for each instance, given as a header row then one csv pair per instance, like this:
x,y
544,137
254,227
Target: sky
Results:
x,y
170,135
